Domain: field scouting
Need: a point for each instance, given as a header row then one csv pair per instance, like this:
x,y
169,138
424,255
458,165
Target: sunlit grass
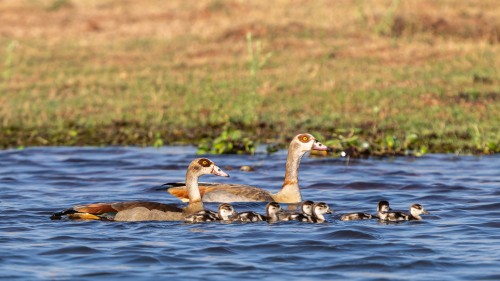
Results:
x,y
172,72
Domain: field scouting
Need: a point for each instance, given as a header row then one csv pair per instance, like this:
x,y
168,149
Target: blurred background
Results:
x,y
375,77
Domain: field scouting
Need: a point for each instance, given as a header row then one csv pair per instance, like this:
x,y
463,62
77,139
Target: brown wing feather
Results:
x,y
181,191
96,209
121,206
101,208
246,191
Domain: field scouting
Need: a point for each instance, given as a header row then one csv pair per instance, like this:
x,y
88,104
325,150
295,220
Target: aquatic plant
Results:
x,y
230,141
352,143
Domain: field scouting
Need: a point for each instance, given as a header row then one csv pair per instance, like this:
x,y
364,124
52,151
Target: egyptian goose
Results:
x,y
224,213
272,209
248,216
415,211
306,208
289,193
318,211
141,211
383,206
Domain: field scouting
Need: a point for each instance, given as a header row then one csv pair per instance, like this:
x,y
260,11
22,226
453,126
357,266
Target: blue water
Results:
x,y
460,240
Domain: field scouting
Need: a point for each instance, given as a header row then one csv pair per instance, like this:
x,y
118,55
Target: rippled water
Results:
x,y
459,240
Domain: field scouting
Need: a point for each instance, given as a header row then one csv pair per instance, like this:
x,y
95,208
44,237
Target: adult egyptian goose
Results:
x,y
141,211
289,193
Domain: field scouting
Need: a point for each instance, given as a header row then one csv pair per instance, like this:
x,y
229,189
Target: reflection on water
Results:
x,y
459,240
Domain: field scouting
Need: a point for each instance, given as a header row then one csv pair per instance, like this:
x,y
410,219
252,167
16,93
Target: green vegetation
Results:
x,y
388,77
229,142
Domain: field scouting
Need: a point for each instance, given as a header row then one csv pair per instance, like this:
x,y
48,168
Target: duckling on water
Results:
x,y
306,208
224,212
356,216
272,209
383,206
318,211
415,211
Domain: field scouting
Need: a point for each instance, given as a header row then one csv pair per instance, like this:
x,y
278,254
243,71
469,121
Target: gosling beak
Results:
x,y
425,212
319,146
219,172
330,211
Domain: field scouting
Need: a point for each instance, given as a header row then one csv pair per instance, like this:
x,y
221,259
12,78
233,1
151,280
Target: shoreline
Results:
x,y
358,144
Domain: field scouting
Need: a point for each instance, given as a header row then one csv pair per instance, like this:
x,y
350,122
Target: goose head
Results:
x,y
225,211
383,206
306,142
321,208
204,166
416,210
272,208
307,207
197,168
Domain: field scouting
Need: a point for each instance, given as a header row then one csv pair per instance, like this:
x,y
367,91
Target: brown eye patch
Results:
x,y
204,162
304,138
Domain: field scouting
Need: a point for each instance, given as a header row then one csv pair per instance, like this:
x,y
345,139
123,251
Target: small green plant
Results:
x,y
9,57
385,25
349,143
256,61
230,141
482,143
58,4
158,141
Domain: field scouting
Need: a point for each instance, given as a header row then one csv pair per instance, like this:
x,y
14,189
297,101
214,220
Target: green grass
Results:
x,y
383,76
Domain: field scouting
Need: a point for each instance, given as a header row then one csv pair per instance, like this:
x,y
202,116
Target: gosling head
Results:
x,y
383,206
307,207
226,211
272,208
416,210
321,208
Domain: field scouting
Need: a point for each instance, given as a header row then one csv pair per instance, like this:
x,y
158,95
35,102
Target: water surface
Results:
x,y
458,241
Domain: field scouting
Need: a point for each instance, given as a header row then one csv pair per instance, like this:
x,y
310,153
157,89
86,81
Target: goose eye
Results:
x,y
304,138
204,162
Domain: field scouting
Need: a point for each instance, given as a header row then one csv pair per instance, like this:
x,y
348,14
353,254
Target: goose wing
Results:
x,y
97,210
225,193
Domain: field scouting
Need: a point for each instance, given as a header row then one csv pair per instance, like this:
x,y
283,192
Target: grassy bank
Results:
x,y
422,73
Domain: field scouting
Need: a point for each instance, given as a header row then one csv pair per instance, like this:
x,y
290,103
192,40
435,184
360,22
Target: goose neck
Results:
x,y
292,166
192,187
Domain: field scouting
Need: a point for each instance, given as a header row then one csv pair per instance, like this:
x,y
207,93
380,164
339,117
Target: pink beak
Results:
x,y
319,146
219,172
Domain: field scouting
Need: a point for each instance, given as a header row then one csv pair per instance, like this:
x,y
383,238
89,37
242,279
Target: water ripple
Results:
x,y
457,241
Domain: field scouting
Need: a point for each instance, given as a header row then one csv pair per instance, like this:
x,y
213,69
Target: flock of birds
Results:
x,y
309,212
196,193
